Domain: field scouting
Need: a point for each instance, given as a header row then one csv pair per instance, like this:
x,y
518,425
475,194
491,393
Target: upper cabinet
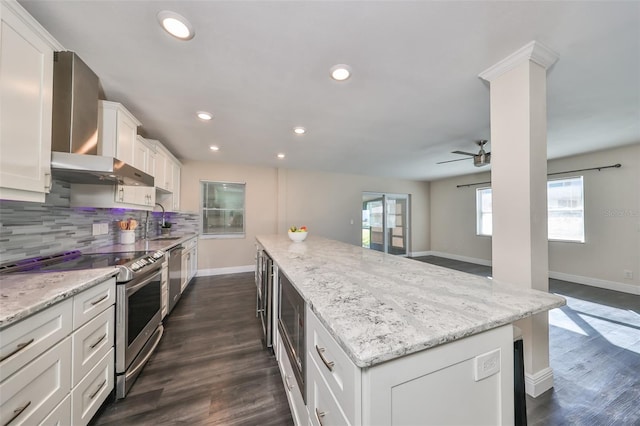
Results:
x,y
26,86
145,156
117,132
167,178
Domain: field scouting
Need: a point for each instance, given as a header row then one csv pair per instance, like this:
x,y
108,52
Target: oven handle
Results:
x,y
142,362
133,288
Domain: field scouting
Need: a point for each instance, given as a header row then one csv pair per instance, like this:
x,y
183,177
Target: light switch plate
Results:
x,y
95,229
104,228
487,364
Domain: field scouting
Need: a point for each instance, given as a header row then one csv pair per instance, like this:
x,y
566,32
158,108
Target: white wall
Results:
x,y
279,198
612,221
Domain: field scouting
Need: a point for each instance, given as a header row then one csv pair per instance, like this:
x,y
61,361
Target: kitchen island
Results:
x,y
423,341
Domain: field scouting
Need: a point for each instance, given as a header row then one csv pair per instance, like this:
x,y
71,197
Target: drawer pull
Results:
x,y
93,395
328,363
17,412
98,341
18,348
286,380
320,415
95,302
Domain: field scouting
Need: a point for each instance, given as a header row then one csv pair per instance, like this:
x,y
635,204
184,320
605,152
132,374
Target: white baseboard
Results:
x,y
224,271
461,258
596,282
420,253
538,383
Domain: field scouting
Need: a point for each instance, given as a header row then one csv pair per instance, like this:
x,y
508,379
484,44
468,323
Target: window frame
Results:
x,y
584,219
235,235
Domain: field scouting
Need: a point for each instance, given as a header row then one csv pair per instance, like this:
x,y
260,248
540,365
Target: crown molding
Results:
x,y
533,51
31,22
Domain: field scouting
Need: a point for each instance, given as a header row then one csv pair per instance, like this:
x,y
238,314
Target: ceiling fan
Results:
x,y
480,159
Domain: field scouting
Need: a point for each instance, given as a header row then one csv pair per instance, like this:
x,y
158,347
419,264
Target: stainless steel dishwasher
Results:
x,y
175,276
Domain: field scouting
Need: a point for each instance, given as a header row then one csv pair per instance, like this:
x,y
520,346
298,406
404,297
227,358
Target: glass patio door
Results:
x,y
385,222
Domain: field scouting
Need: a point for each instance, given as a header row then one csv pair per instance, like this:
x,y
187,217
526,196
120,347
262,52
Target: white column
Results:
x,y
519,191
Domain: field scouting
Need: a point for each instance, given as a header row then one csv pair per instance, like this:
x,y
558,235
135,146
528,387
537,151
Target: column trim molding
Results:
x,y
533,51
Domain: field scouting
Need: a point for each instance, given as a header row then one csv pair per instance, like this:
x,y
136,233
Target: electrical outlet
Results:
x,y
486,364
95,230
628,274
104,228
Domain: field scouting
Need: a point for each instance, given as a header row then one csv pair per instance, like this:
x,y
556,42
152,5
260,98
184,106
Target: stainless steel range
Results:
x,y
138,302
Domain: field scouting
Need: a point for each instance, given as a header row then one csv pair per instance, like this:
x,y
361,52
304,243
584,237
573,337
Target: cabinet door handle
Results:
x,y
48,183
320,415
95,302
93,395
327,363
19,347
287,382
98,341
17,412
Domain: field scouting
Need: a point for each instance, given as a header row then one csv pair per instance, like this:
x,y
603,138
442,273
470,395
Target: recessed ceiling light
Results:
x,y
176,25
281,156
340,72
299,130
204,115
214,148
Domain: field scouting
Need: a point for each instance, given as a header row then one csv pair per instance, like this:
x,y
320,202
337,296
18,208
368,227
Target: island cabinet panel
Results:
x,y
294,395
468,381
336,376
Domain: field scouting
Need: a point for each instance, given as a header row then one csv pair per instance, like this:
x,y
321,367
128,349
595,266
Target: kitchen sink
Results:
x,y
164,238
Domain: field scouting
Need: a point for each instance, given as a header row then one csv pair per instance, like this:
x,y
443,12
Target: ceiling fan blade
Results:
x,y
451,161
463,153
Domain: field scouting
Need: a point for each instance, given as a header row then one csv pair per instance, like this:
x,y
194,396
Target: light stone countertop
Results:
x,y
379,307
24,294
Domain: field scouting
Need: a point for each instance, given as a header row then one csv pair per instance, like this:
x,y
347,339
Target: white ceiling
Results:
x,y
262,68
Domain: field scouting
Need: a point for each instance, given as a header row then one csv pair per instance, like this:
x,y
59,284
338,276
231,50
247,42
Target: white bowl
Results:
x,y
297,236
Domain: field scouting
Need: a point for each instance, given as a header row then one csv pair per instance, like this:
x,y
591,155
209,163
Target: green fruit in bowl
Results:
x,y
296,229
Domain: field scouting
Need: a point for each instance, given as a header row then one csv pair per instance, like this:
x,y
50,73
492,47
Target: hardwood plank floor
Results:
x,y
210,367
594,351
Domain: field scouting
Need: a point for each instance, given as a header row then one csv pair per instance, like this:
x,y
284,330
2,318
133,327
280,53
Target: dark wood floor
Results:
x,y
594,351
210,367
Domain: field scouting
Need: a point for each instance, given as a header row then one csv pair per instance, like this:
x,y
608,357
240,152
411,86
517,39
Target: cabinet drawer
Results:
x,y
29,395
341,375
61,415
294,396
91,343
91,392
91,302
189,244
323,407
20,343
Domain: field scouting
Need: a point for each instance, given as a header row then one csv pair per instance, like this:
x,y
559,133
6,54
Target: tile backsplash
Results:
x,y
33,229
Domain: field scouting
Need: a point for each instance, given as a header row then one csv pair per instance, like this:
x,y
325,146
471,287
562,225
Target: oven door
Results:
x,y
139,313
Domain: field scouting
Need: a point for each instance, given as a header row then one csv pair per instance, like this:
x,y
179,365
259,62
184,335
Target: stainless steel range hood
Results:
x,y
74,138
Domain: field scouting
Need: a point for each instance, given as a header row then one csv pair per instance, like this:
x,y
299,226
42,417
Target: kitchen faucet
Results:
x,y
146,222
158,204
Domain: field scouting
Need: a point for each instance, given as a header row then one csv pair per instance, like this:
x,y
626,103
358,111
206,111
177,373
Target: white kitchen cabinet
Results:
x,y
57,365
294,395
26,88
112,196
189,261
167,178
145,156
117,132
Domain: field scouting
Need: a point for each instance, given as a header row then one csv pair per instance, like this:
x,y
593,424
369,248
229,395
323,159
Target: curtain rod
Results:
x,y
616,166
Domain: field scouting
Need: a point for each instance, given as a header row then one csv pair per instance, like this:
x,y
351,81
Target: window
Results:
x,y
222,209
565,206
484,215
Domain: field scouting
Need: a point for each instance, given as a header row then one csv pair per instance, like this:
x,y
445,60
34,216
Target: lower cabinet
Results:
x,y
189,261
294,395
57,366
426,387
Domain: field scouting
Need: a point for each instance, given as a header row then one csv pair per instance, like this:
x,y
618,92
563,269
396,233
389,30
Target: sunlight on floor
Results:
x,y
620,327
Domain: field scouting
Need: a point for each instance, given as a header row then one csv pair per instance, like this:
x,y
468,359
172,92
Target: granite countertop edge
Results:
x,y
349,264
23,295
